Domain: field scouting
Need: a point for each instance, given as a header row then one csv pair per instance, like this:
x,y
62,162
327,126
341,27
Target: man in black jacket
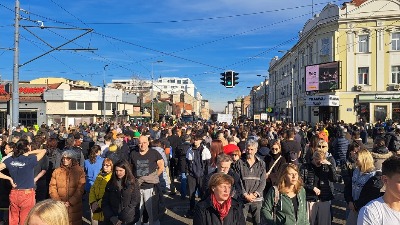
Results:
x,y
317,176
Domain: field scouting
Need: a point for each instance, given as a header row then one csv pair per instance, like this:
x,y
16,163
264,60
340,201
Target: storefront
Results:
x,y
323,108
374,107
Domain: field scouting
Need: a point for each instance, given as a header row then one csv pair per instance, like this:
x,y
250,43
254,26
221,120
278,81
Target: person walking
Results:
x,y
121,198
97,192
67,185
285,204
219,207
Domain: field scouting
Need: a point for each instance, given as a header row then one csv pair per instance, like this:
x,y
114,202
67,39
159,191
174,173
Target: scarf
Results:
x,y
222,209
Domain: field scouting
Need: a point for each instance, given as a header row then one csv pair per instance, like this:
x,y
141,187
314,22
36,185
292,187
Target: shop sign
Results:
x,y
379,98
31,90
322,100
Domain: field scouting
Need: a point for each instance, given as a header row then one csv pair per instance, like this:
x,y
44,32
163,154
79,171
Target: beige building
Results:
x,y
346,66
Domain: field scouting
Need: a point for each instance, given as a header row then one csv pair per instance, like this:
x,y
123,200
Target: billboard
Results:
x,y
323,77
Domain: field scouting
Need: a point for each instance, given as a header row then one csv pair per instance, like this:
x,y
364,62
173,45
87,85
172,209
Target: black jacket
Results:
x,y
180,153
123,204
205,214
273,177
319,177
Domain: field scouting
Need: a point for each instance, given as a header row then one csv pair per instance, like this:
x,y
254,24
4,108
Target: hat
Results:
x,y
69,154
228,149
136,134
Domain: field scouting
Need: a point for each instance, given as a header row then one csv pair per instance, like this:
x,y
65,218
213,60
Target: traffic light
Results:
x,y
223,78
235,78
229,79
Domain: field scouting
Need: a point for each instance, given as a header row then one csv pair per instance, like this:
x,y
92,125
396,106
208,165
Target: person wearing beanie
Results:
x,y
67,185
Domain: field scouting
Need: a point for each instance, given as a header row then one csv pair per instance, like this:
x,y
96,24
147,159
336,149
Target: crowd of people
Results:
x,y
268,173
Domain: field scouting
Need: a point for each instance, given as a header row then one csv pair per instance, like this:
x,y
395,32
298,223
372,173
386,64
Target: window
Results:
x,y
325,46
363,43
179,81
109,106
310,55
80,106
396,74
185,82
396,41
363,75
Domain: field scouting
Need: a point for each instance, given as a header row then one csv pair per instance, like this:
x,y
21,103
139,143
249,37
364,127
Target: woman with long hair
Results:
x,y
67,185
97,192
219,207
92,166
48,212
285,204
365,184
274,164
121,199
216,148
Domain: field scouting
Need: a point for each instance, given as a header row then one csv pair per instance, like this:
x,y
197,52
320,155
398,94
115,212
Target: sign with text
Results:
x,y
322,100
379,98
323,77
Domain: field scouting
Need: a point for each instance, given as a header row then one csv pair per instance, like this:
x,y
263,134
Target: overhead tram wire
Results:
x,y
171,54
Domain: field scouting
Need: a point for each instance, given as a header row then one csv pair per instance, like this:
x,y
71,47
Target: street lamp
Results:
x,y
104,93
152,89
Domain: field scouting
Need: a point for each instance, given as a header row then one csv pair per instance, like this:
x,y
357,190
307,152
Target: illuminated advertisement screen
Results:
x,y
323,77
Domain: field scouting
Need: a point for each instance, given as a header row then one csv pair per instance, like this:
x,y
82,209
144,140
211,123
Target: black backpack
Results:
x,y
393,142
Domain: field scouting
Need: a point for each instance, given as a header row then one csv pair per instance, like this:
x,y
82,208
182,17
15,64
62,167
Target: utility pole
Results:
x,y
104,93
15,83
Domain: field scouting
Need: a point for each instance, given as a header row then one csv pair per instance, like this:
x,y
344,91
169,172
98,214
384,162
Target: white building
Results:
x,y
175,84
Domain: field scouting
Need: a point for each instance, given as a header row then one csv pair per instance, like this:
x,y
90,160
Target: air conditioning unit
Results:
x,y
358,87
396,87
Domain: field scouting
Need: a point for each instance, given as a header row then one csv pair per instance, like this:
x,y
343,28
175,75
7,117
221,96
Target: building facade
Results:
x,y
363,39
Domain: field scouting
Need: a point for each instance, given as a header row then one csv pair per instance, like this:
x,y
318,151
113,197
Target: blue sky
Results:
x,y
195,39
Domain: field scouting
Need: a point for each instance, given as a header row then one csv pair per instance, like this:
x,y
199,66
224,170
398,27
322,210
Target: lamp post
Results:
x,y
104,93
152,89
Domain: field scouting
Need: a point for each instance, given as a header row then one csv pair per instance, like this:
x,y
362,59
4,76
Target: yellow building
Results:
x,y
345,66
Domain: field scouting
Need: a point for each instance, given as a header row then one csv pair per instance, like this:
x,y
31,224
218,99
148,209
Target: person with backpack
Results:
x,y
392,141
291,149
285,204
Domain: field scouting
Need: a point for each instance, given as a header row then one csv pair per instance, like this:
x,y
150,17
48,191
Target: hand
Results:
x,y
266,175
351,206
317,191
14,185
94,206
326,162
119,222
67,204
35,180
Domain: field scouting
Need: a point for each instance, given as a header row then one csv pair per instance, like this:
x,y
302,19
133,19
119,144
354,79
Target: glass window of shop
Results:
x,y
396,74
380,112
396,111
364,112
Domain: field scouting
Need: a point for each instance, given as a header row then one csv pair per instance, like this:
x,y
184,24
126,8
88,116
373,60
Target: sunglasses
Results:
x,y
66,158
322,146
235,154
106,165
275,148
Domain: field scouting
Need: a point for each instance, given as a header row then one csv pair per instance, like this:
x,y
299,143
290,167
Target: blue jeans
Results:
x,y
183,185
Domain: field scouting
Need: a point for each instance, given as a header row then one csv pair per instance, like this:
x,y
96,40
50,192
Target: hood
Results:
x,y
380,150
381,156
